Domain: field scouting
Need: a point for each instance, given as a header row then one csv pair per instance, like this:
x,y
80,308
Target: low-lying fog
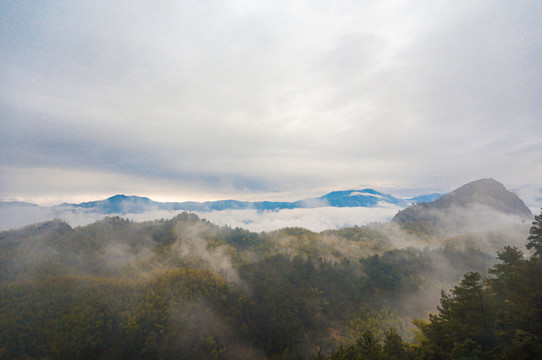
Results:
x,y
315,219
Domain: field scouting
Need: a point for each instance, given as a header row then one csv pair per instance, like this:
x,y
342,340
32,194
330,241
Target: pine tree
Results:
x,y
535,237
369,347
394,347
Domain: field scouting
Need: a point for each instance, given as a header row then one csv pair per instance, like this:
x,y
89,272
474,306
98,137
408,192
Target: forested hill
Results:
x,y
494,315
467,199
187,289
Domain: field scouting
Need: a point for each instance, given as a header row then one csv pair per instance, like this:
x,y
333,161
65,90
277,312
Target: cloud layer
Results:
x,y
317,219
180,99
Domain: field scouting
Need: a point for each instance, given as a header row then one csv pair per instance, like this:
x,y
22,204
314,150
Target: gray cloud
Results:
x,y
229,97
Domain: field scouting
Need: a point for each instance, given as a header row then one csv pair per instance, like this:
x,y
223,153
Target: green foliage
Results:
x,y
500,318
394,347
535,236
187,289
465,314
368,347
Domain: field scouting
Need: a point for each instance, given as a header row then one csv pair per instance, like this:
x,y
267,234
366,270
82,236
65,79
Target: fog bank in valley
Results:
x,y
315,219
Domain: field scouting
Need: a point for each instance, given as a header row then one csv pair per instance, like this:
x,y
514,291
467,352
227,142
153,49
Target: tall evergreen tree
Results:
x,y
394,347
369,347
535,236
464,323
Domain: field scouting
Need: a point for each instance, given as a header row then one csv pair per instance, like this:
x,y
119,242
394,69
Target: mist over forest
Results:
x,y
335,210
449,279
270,180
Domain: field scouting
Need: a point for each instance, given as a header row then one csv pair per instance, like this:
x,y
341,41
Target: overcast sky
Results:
x,y
203,100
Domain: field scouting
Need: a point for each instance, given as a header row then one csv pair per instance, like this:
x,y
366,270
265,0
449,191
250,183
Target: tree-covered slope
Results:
x,y
184,288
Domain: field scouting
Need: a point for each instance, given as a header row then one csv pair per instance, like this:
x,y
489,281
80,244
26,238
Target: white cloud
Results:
x,y
356,193
315,219
239,96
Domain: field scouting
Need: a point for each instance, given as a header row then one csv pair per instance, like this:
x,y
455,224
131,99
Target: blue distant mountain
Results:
x,y
360,198
425,198
16,204
122,204
118,204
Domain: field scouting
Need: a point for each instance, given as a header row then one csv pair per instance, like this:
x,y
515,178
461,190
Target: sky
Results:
x,y
206,100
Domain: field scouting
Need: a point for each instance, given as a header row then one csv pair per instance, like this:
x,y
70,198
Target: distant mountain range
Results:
x,y
450,211
122,204
488,192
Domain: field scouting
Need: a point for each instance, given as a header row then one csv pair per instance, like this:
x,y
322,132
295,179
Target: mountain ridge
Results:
x,y
133,204
17,214
125,204
486,192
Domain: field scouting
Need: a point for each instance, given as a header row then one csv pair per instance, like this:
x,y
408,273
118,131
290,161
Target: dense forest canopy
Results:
x,y
185,288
